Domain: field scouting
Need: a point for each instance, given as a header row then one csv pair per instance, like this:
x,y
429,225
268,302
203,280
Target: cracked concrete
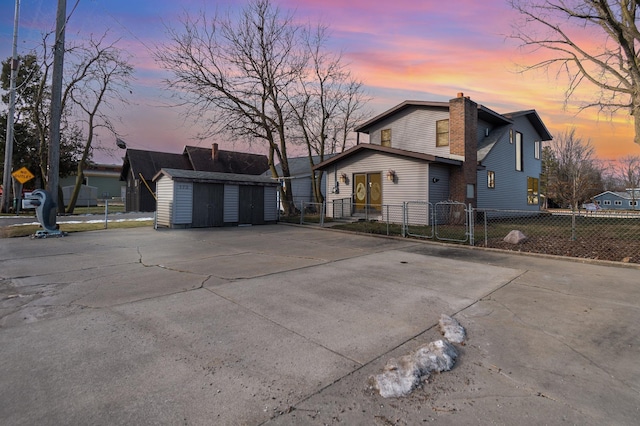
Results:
x,y
283,325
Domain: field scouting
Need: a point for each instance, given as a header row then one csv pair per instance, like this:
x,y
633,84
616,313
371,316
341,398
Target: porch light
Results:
x,y
343,178
391,175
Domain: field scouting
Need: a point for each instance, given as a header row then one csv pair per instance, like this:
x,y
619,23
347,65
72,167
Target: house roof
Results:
x,y
227,161
149,163
386,150
620,194
535,121
299,166
484,113
213,177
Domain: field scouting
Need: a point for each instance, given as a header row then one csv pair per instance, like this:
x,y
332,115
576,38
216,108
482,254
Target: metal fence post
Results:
x,y
322,212
573,225
471,226
301,212
106,212
404,219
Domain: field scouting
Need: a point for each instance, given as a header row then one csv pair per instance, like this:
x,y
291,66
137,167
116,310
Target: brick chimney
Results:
x,y
214,152
463,142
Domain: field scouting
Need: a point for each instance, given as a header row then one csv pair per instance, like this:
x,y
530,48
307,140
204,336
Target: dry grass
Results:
x,y
27,230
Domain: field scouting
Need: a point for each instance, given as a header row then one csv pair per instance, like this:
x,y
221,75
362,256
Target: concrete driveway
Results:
x,y
284,325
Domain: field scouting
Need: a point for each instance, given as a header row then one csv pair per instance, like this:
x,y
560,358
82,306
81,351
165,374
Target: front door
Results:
x,y
367,190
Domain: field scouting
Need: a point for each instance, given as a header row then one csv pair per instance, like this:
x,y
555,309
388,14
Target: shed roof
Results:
x,y
214,177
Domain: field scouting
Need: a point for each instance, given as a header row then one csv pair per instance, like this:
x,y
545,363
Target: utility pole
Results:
x,y
53,174
8,148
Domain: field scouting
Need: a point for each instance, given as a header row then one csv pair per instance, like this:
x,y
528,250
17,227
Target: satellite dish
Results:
x,y
121,144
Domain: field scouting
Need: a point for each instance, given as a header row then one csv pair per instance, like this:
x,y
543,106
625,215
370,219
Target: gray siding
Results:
x,y
164,192
270,203
510,190
301,188
183,203
413,130
231,203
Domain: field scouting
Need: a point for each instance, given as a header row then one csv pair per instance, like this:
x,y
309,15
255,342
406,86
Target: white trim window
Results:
x,y
617,202
519,157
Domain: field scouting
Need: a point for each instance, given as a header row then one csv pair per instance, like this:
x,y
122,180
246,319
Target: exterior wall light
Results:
x,y
391,175
343,178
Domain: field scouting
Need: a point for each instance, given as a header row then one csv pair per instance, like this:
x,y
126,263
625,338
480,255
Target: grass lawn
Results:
x,y
27,230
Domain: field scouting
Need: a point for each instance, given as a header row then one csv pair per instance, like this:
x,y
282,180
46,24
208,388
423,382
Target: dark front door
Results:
x,y
251,205
208,209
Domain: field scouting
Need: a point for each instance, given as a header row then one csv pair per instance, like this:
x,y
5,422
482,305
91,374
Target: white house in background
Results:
x,y
436,151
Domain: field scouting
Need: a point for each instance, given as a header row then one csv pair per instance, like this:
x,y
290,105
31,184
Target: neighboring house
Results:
x,y
140,167
105,178
619,200
301,183
438,151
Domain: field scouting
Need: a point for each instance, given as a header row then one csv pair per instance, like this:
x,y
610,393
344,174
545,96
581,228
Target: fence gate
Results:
x,y
418,219
451,221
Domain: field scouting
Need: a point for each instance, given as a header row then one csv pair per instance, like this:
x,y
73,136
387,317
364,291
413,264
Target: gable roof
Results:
x,y
620,194
149,163
201,159
484,113
535,121
386,150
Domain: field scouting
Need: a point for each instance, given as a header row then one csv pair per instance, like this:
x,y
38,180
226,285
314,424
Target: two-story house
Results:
x,y
438,151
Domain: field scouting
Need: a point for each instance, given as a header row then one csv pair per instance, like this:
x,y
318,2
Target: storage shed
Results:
x,y
194,199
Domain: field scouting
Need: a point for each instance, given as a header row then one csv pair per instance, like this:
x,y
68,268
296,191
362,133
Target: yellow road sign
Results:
x,y
23,175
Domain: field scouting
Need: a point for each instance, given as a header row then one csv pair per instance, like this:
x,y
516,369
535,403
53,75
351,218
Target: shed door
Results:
x,y
208,205
251,205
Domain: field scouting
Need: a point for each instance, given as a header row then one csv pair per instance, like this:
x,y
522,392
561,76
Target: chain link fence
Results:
x,y
603,235
590,235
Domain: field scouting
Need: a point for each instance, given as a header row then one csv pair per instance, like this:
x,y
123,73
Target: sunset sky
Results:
x,y
418,50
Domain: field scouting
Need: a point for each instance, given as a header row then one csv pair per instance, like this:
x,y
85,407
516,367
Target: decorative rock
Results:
x,y
515,237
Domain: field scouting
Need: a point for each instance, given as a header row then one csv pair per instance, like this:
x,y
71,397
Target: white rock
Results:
x,y
515,237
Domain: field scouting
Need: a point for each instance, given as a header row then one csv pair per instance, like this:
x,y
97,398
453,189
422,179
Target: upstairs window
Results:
x,y
385,137
536,150
442,133
519,158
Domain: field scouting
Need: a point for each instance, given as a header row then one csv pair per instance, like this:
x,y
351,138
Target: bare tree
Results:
x,y
235,76
590,42
628,172
327,105
100,72
572,175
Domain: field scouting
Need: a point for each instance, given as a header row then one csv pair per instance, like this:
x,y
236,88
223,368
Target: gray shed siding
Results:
x,y
175,202
413,130
510,190
231,203
164,191
270,203
183,203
